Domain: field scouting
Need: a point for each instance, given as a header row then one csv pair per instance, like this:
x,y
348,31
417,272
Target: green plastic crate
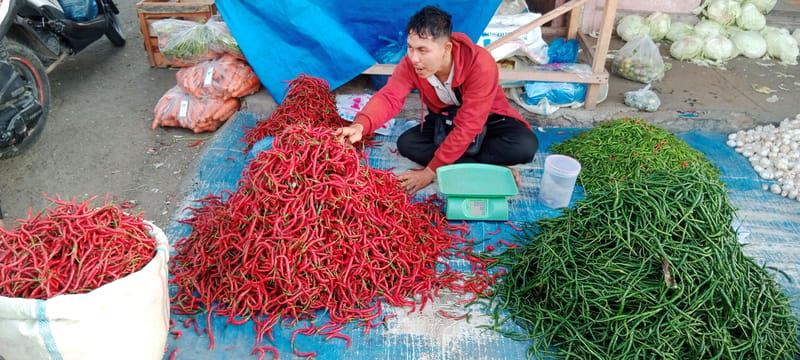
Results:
x,y
476,191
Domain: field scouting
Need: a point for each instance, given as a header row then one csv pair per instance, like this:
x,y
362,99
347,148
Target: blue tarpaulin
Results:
x,y
769,226
332,40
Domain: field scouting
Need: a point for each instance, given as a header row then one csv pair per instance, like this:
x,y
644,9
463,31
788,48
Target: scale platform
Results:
x,y
476,191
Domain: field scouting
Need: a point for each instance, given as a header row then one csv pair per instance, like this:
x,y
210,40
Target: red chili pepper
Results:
x,y
508,244
495,232
177,334
513,226
173,354
195,143
312,229
72,248
454,317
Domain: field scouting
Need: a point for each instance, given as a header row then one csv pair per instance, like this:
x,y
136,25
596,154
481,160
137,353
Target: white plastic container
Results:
x,y
558,180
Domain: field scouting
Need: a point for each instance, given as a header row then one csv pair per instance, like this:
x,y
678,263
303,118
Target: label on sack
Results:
x,y
209,77
184,109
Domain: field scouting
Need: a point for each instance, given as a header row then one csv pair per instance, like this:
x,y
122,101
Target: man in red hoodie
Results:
x,y
469,118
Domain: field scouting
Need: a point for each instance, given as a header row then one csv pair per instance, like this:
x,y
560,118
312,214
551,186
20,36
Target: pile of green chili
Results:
x,y
644,269
628,148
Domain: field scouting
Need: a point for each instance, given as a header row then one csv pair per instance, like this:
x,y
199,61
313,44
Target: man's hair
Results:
x,y
430,21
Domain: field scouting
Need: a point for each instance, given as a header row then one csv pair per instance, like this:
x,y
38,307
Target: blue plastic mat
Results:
x,y
332,40
770,225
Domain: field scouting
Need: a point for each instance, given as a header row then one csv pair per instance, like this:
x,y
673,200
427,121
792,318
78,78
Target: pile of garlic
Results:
x,y
774,153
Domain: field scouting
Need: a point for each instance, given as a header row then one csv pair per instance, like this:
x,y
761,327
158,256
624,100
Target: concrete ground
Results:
x,y
98,139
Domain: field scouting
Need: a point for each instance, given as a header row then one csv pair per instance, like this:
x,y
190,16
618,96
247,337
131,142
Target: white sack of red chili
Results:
x,y
82,282
312,229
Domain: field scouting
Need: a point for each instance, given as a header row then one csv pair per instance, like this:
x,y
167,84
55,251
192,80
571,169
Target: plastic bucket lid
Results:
x,y
562,165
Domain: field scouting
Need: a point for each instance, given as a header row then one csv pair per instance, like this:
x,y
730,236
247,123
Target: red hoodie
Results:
x,y
474,72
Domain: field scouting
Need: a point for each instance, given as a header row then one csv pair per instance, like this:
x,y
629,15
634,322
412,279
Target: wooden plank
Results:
x,y
550,15
556,76
517,74
154,7
601,50
587,44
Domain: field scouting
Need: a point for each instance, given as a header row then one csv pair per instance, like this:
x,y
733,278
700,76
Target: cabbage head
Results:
x,y
781,45
765,6
706,28
679,30
687,48
751,18
632,26
750,43
719,48
724,12
659,25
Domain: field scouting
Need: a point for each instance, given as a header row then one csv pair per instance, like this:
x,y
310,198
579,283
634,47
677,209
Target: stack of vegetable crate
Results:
x,y
151,10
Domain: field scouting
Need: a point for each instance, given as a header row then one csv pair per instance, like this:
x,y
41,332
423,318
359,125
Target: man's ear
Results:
x,y
448,45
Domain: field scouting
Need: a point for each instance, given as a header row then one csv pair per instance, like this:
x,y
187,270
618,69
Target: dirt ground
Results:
x,y
98,139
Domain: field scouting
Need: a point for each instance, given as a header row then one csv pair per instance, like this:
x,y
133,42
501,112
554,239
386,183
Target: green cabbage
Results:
x,y
632,26
751,18
687,48
659,25
723,11
750,43
679,30
706,28
719,48
781,45
764,6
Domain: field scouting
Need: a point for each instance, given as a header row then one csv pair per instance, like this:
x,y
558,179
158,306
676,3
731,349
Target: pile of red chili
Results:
x,y
71,248
308,101
312,228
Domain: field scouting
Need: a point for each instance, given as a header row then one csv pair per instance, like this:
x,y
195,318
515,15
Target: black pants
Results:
x,y
508,142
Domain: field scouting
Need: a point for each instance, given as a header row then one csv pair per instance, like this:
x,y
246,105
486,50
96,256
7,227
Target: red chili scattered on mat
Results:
x,y
173,354
71,248
495,232
513,226
310,228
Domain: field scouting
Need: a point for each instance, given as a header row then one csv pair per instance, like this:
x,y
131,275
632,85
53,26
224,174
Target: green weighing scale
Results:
x,y
476,191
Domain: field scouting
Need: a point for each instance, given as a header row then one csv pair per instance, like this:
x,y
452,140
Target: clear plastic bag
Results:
x,y
186,42
639,60
643,99
225,77
180,109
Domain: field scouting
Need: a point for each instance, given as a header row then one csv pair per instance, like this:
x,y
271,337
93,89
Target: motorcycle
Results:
x,y
37,36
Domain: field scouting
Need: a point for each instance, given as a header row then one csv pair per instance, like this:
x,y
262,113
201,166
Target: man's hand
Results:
x,y
352,133
415,180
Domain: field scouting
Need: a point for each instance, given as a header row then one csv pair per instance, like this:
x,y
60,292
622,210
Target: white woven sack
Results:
x,y
125,319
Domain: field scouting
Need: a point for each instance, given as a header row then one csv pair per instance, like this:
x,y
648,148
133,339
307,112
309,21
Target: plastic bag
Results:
x,y
393,51
563,51
180,109
529,45
643,99
225,77
126,319
186,42
79,10
639,60
557,93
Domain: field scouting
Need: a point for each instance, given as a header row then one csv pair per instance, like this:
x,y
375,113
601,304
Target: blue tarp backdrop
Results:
x,y
333,40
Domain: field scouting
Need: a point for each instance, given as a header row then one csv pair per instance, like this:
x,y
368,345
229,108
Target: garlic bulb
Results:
x,y
774,152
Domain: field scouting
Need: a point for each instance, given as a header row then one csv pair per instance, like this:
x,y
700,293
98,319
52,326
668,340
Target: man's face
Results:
x,y
426,54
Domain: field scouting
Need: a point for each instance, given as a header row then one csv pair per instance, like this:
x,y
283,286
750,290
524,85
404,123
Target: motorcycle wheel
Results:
x,y
114,31
32,71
